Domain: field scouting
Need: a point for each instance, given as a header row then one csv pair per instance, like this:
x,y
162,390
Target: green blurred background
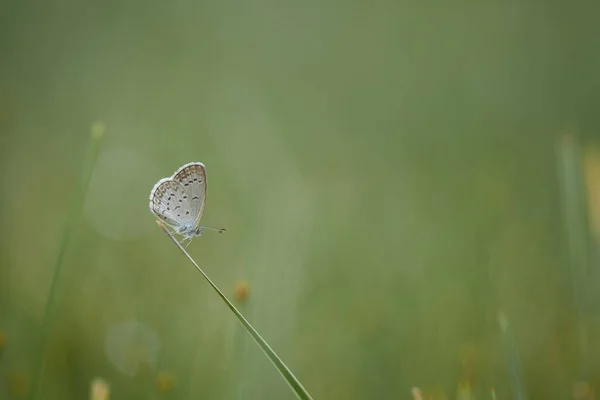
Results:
x,y
387,172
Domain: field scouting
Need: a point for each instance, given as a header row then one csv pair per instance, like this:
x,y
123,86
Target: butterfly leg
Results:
x,y
189,239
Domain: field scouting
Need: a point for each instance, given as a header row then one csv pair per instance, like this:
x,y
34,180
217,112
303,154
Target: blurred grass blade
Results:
x,y
575,216
290,378
72,218
514,362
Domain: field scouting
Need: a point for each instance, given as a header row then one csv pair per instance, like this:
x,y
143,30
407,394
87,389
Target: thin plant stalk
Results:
x,y
290,378
72,219
514,364
575,209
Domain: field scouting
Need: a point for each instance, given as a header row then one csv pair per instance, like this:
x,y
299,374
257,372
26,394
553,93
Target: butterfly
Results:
x,y
179,200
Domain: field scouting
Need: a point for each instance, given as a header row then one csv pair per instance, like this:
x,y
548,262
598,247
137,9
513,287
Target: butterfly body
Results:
x,y
179,200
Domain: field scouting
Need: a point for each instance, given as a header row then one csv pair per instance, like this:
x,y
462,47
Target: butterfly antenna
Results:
x,y
220,230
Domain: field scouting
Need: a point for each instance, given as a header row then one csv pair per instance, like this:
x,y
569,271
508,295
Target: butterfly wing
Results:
x,y
171,203
192,177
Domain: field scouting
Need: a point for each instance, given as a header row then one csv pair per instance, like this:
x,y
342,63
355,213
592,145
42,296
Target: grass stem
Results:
x,y
72,219
290,378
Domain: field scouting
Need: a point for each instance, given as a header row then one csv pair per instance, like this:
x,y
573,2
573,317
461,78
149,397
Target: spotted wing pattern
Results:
x,y
170,202
192,177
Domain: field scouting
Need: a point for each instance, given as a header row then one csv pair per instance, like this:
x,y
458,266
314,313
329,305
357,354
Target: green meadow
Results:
x,y
410,193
